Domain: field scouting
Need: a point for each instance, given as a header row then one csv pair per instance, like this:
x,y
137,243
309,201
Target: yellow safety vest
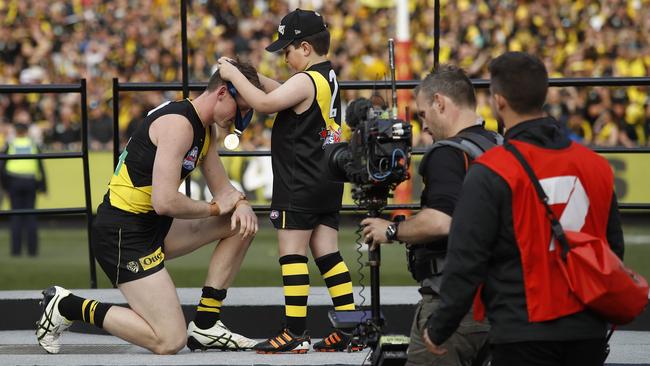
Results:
x,y
22,145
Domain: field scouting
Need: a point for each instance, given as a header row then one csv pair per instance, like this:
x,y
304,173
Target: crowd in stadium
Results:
x,y
63,41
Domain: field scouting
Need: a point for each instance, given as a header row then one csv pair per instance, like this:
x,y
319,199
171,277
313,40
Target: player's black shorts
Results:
x,y
303,220
128,251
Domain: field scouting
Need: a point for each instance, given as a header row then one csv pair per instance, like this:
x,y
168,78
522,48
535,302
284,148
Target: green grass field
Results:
x,y
63,260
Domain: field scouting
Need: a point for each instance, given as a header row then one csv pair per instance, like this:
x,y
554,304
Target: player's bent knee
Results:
x,y
170,346
170,342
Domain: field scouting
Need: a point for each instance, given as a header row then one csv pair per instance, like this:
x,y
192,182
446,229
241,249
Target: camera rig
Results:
x,y
377,157
375,161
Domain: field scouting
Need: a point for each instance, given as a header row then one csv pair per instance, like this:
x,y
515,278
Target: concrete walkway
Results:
x,y
20,348
248,309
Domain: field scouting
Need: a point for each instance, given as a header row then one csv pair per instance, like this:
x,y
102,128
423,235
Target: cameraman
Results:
x,y
446,105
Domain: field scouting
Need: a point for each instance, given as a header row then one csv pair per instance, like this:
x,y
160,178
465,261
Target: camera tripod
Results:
x,y
387,350
367,324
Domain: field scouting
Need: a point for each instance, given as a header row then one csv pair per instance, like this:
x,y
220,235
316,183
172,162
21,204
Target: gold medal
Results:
x,y
231,141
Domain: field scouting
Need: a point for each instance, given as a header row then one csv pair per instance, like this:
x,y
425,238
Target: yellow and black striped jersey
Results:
x,y
297,149
130,186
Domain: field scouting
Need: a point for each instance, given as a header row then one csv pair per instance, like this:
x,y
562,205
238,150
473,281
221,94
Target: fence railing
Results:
x,y
364,85
83,155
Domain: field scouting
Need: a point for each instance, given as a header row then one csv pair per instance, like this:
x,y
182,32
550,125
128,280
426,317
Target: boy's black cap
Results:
x,y
297,25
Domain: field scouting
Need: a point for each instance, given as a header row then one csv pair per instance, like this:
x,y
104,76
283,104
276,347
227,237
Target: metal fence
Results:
x,y
361,85
83,154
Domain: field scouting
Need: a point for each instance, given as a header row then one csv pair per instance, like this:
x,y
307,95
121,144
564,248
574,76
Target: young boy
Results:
x,y
305,205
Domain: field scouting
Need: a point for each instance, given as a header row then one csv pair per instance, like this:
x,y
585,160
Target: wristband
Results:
x,y
214,209
242,201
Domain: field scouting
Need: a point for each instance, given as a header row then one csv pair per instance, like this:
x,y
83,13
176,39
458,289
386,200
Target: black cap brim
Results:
x,y
278,45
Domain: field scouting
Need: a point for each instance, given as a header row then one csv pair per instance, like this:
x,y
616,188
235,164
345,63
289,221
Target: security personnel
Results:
x,y
22,179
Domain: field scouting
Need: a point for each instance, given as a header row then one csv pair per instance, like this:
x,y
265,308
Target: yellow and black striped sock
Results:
x,y
295,277
338,280
87,310
209,309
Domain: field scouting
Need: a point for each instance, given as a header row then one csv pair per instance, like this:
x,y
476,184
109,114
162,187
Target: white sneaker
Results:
x,y
217,337
52,323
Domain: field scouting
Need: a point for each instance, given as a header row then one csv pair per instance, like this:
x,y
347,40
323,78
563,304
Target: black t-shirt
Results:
x,y
444,172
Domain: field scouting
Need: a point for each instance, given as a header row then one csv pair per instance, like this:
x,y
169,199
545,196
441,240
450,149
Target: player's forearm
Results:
x,y
426,226
179,206
225,190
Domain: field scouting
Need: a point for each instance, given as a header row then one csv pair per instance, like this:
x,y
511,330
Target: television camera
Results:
x,y
377,157
375,161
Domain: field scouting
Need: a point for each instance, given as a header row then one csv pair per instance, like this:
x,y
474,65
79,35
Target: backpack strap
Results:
x,y
479,140
471,143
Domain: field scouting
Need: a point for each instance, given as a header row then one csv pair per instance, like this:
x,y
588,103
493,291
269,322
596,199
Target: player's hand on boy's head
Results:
x,y
226,69
246,218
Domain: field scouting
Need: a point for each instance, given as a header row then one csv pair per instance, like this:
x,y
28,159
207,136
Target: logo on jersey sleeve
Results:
x,y
190,159
329,136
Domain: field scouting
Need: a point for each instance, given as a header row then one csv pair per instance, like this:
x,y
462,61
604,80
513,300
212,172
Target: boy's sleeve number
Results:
x,y
333,111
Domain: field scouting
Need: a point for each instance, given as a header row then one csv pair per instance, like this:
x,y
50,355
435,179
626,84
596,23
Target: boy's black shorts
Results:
x,y
128,252
303,220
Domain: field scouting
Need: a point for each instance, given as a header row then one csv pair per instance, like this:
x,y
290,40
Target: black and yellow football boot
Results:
x,y
284,342
338,341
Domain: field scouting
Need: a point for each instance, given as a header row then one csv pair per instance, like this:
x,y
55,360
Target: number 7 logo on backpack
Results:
x,y
570,191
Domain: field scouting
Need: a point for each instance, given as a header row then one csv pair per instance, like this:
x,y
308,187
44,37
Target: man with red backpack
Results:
x,y
501,235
